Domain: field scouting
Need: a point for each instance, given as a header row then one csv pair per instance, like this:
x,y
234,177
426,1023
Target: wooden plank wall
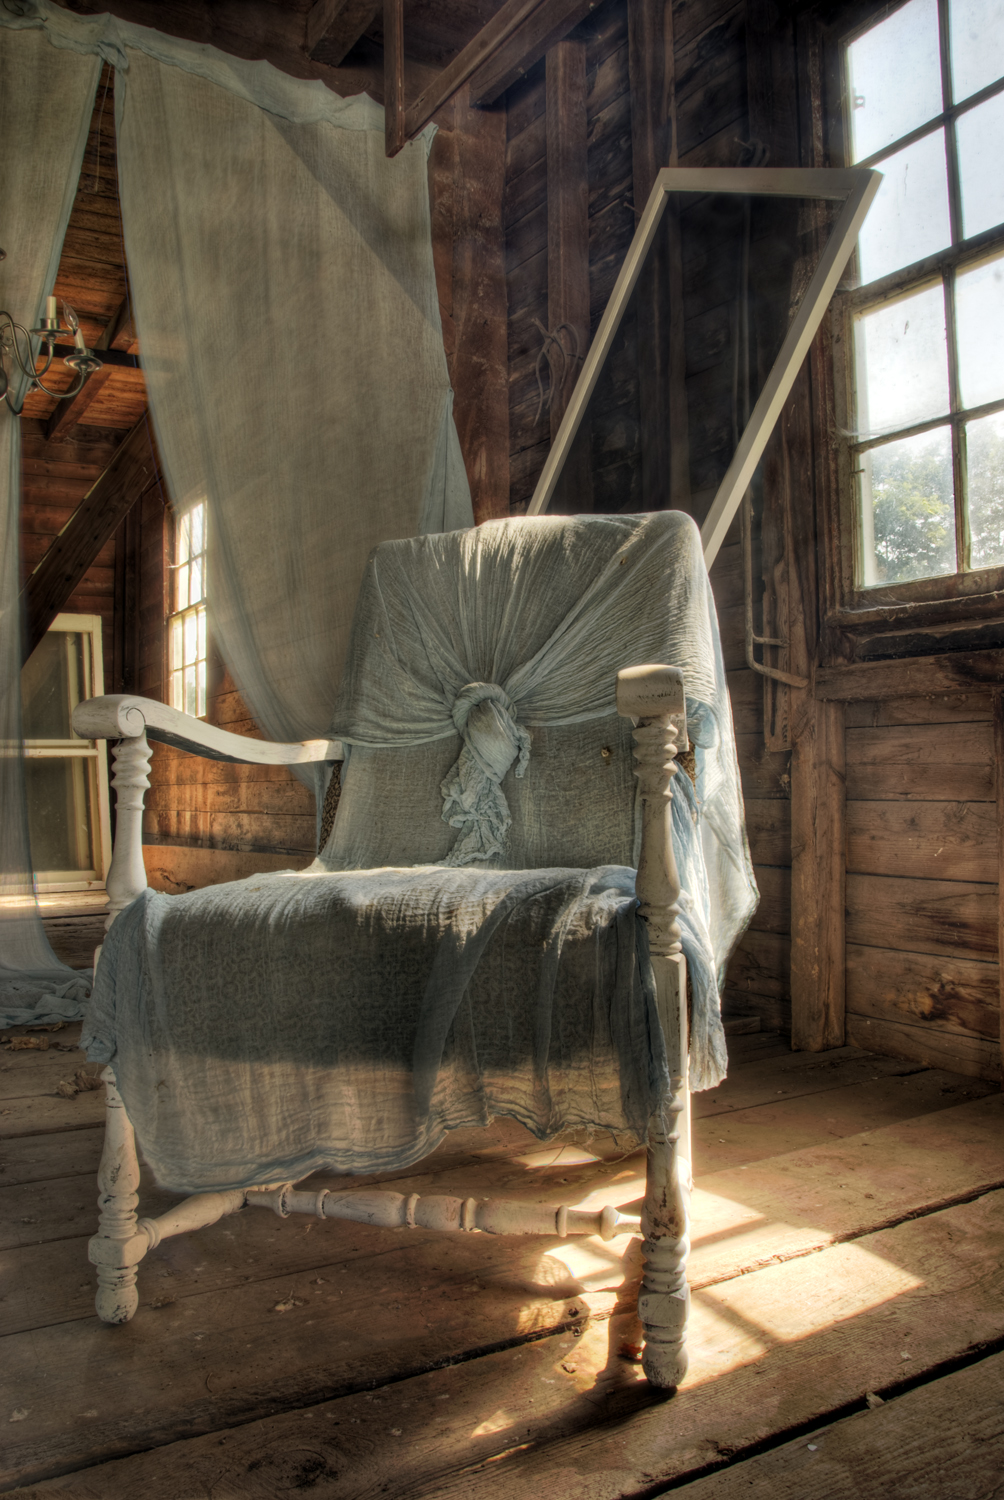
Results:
x,y
711,107
923,976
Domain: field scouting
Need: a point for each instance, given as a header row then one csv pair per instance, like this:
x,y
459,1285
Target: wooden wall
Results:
x,y
711,116
923,976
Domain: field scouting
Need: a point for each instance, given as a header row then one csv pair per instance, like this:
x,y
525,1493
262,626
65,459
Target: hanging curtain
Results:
x,y
283,286
46,97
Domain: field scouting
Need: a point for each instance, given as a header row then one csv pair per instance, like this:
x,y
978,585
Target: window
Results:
x,y
66,777
924,103
187,624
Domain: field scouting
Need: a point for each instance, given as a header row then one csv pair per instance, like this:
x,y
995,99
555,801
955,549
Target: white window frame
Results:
x,y
94,753
940,268
193,610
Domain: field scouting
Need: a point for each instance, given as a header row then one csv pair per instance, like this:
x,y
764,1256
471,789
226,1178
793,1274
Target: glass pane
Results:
x,y
177,692
175,657
184,539
191,638
909,217
58,814
985,468
979,134
894,78
977,32
907,509
195,589
181,588
198,517
979,317
901,363
191,700
201,617
52,686
200,694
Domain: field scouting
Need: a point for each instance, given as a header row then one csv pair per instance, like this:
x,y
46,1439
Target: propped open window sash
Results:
x,y
853,188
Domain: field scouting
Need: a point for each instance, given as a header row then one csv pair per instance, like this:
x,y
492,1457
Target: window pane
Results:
x,y
901,363
200,694
181,588
191,638
979,315
977,30
177,692
195,590
175,657
909,217
907,509
191,700
201,617
979,134
184,539
51,686
985,450
198,518
59,815
894,78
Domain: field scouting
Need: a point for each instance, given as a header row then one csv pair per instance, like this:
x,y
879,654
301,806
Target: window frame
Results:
x,y
967,594
174,567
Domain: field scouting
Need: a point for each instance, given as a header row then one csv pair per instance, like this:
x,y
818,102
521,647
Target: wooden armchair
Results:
x,y
653,697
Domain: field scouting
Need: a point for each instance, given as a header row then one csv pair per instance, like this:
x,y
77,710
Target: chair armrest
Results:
x,y
121,716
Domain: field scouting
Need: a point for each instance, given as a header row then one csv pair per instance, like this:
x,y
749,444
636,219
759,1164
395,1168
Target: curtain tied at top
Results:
x,y
485,718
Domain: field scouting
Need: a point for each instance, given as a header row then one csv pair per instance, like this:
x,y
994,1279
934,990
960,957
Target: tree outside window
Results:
x,y
925,105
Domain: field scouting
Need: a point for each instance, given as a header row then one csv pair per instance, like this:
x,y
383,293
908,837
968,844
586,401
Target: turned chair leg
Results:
x,y
117,1247
664,1302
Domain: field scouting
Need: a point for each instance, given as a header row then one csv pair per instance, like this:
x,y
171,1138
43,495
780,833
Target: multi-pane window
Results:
x,y
925,105
187,624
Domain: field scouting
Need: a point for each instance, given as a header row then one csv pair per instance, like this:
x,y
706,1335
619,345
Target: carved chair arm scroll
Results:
x,y
132,721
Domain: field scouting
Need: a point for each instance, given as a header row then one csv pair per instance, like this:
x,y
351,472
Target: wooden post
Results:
x,y
654,697
568,255
998,703
393,74
117,1248
131,780
665,446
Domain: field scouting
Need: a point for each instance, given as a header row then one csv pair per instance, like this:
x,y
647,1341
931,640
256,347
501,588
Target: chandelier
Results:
x,y
12,361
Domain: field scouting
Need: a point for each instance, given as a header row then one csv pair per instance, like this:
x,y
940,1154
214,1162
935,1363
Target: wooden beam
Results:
x,y
68,413
537,35
665,445
338,24
910,677
466,63
568,253
133,469
393,75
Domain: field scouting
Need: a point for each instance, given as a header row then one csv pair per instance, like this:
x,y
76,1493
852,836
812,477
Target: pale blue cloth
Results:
x,y
347,1016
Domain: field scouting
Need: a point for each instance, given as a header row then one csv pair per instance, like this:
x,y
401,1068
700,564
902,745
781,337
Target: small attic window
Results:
x,y
187,623
924,103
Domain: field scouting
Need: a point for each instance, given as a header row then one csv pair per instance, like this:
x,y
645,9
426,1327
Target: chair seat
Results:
x,y
302,1020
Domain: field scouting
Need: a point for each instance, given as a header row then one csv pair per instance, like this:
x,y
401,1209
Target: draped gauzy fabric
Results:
x,y
283,285
46,96
347,1015
525,623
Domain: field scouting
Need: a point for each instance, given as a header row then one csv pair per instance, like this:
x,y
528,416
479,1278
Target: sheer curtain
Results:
x,y
285,298
46,96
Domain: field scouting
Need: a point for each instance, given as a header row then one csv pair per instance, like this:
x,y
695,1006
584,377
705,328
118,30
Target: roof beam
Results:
x,y
69,412
94,522
453,77
548,25
338,24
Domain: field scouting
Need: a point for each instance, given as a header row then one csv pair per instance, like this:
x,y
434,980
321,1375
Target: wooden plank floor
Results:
x,y
848,1222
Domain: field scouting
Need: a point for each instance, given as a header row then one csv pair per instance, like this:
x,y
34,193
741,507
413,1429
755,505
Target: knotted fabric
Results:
x,y
485,718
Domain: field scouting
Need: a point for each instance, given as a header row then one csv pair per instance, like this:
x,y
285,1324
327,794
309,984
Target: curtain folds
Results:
x,y
46,97
286,307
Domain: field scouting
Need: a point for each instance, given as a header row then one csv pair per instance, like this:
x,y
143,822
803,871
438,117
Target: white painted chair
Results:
x,y
650,695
